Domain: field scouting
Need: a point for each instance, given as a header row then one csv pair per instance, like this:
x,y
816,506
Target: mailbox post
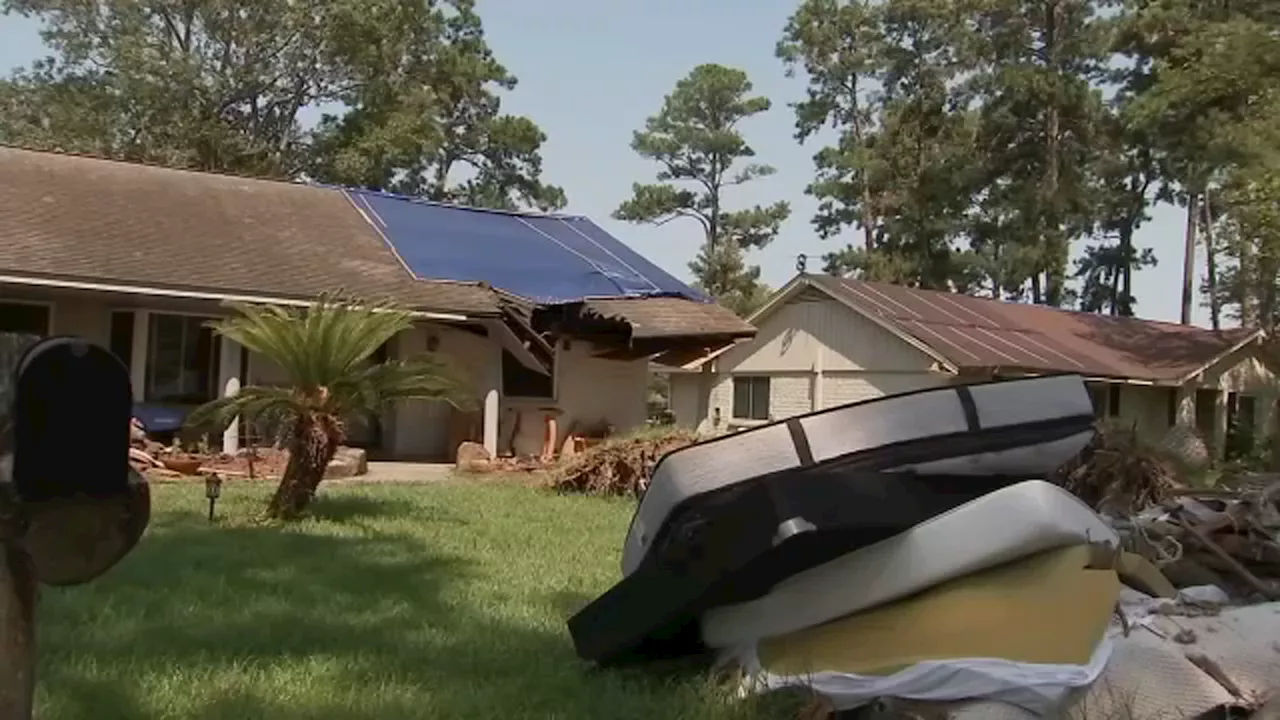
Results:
x,y
70,505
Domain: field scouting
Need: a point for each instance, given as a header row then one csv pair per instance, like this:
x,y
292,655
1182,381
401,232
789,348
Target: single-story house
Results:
x,y
547,315
825,341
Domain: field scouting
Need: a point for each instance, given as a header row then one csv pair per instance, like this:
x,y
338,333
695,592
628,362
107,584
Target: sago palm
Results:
x,y
324,351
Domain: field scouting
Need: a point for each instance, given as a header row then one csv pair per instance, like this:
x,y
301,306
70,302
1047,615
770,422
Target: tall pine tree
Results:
x,y
701,154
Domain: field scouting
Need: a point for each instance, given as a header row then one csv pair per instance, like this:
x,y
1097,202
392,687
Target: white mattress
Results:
x,y
853,429
999,527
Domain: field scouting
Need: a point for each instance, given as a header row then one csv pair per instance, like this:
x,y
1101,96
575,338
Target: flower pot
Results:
x,y
185,466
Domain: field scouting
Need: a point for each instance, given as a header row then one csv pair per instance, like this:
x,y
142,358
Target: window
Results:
x,y
522,382
1241,425
1206,407
1172,410
1113,401
751,398
1098,396
26,318
122,336
182,360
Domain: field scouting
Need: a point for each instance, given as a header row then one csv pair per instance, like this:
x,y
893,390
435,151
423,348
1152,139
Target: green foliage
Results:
x,y
324,350
1200,80
964,129
977,140
695,141
219,85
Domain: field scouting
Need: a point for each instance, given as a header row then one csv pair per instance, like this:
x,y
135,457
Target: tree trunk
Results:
x,y
1122,276
1189,257
314,443
17,634
1211,264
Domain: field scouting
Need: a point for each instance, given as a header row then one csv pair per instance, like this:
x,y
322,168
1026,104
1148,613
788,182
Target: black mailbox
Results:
x,y
72,403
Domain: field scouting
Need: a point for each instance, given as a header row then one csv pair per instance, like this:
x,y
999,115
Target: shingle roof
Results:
x,y
659,317
74,217
973,333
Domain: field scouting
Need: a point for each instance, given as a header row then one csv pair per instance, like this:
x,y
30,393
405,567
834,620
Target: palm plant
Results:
x,y
324,350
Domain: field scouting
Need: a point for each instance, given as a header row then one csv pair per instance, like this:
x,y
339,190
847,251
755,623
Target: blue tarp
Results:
x,y
545,258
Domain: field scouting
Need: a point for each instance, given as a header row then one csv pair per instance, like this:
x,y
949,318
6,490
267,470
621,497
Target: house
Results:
x,y
825,341
547,315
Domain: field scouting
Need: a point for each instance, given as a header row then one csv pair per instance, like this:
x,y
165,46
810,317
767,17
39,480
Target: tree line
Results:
x,y
972,143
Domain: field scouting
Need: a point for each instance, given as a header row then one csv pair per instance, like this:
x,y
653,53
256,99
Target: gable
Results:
x,y
1245,370
813,330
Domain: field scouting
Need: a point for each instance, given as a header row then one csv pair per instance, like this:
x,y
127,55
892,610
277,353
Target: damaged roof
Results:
x,y
550,259
982,333
67,217
671,317
71,217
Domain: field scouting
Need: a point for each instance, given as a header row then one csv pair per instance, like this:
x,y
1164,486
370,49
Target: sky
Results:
x,y
590,72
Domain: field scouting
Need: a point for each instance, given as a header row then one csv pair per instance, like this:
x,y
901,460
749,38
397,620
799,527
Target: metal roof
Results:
x,y
983,333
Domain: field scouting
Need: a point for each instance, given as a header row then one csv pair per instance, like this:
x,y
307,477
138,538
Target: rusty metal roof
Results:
x,y
73,217
982,333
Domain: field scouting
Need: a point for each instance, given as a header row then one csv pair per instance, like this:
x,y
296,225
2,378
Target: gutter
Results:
x,y
191,294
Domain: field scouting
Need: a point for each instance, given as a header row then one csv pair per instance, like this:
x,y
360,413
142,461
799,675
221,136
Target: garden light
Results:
x,y
212,490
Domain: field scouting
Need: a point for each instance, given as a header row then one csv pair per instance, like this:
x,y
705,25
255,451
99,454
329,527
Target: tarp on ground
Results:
x,y
549,259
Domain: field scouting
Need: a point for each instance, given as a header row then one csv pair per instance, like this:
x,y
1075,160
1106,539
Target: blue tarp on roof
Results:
x,y
545,258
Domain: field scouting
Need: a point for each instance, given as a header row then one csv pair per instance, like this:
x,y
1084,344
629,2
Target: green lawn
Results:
x,y
445,601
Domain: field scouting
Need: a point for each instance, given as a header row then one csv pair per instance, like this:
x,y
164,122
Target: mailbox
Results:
x,y
74,505
72,403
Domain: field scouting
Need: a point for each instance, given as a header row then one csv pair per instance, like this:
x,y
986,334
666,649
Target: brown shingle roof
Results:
x,y
972,333
81,218
659,317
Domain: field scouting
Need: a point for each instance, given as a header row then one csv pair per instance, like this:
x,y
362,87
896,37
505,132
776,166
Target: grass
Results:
x,y
393,602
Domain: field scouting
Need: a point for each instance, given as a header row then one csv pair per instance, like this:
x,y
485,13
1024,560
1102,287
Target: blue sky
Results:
x,y
590,72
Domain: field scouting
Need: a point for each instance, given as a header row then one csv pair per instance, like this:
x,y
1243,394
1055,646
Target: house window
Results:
x,y
1206,408
1113,401
122,336
182,360
751,398
26,318
522,382
1241,430
1171,410
1098,396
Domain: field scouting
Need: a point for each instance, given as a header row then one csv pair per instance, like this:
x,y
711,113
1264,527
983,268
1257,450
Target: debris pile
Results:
x,y
255,463
1227,537
620,465
1223,537
968,584
1118,473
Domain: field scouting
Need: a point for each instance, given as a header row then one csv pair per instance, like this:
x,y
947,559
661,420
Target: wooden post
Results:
x,y
18,594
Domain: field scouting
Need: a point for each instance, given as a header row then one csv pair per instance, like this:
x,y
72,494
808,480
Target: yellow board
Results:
x,y
1046,608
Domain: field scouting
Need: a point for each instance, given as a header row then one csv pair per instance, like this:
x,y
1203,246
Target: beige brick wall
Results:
x,y
842,388
790,394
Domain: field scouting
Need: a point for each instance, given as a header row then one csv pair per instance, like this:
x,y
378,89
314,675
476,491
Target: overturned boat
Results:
x,y
726,521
